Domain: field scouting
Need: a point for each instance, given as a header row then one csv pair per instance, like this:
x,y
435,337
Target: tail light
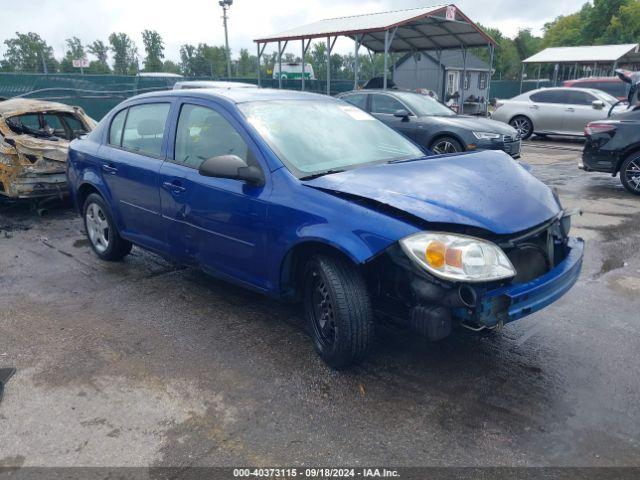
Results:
x,y
594,128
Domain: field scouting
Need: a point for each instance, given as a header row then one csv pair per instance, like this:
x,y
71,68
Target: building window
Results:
x,y
482,81
467,81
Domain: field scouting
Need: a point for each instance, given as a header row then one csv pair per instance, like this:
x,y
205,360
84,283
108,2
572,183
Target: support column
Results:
x,y
464,78
524,66
539,71
304,52
279,64
259,74
386,51
329,66
356,65
488,98
442,89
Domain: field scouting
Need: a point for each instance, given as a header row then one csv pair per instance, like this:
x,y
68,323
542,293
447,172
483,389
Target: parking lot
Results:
x,y
147,363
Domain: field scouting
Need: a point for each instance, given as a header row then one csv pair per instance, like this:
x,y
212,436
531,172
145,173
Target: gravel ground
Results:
x,y
145,363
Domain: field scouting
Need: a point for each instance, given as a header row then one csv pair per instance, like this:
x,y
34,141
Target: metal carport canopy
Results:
x,y
437,27
587,54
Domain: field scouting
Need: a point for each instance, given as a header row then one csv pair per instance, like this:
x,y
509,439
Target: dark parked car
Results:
x,y
434,126
303,197
613,146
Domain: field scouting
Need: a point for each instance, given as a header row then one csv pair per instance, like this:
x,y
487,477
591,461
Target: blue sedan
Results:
x,y
307,198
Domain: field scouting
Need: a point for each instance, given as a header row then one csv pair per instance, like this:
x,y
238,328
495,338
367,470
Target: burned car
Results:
x,y
34,142
306,198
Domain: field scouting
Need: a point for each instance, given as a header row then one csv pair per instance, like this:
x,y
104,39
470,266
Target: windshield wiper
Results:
x,y
322,174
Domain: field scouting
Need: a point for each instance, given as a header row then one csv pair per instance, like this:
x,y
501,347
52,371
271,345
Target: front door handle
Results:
x,y
173,187
109,169
570,109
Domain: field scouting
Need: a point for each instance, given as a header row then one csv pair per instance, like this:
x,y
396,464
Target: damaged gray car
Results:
x,y
34,142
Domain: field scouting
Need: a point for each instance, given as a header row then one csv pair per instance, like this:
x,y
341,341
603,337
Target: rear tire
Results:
x,y
446,145
338,310
630,173
101,230
523,125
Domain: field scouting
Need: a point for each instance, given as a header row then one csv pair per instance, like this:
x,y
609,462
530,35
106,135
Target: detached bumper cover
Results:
x,y
511,303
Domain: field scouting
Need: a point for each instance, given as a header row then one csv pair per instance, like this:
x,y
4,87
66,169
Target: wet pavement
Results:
x,y
148,363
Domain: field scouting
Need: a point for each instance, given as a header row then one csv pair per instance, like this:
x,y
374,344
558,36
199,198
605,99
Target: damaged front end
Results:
x,y
33,158
546,260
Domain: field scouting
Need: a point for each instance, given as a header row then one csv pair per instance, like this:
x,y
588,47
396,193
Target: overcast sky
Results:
x,y
194,21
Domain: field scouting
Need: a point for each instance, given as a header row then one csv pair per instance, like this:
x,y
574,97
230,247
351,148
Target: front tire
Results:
x,y
523,125
101,230
446,145
630,174
338,310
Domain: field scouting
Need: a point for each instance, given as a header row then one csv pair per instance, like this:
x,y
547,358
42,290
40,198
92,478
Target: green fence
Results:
x,y
97,94
505,89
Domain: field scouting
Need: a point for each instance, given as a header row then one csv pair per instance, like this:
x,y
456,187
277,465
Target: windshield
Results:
x,y
423,105
312,137
606,97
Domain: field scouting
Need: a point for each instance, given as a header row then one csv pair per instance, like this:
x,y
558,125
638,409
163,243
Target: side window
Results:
x,y
144,128
52,123
117,125
358,100
202,134
549,96
579,98
30,120
385,104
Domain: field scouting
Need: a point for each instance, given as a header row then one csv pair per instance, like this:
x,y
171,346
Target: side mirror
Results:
x,y
598,104
232,167
403,114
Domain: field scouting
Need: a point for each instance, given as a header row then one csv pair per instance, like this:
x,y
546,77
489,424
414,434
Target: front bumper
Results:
x,y
513,302
512,148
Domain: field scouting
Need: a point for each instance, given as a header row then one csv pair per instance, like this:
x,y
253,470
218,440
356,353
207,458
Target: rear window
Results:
x,y
144,128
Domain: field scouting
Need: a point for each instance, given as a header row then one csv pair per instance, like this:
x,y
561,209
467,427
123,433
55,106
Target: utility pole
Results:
x,y
225,4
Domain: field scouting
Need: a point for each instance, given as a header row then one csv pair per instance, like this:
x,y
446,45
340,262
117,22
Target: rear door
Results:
x,y
130,167
580,111
216,223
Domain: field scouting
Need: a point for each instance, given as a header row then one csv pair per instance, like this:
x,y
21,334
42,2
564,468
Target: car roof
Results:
x,y
572,89
595,79
236,95
210,84
18,106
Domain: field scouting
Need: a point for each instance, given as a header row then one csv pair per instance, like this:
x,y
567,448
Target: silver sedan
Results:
x,y
559,111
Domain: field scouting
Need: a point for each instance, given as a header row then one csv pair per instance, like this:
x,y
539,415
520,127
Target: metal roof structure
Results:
x,y
587,54
426,28
436,28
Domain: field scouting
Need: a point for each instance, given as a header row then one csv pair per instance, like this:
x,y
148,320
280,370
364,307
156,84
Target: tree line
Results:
x,y
597,23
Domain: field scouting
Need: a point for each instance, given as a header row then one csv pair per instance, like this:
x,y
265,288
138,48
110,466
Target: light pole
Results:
x,y
225,4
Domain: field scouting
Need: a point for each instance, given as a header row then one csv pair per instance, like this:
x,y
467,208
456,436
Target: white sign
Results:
x,y
81,62
451,13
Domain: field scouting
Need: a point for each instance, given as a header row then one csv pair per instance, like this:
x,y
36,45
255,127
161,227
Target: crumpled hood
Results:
x,y
487,189
474,124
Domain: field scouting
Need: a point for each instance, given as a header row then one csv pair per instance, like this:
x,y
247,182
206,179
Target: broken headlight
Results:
x,y
458,257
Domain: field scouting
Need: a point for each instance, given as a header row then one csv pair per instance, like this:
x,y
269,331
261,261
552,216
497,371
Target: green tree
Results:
x,y
247,64
27,52
625,25
564,31
597,20
154,48
101,52
171,67
75,51
527,44
125,54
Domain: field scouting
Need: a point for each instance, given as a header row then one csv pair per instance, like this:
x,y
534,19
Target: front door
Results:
x,y
384,108
580,111
216,223
130,167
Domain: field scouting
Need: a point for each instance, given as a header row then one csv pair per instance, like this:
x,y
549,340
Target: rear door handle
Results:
x,y
173,187
109,169
570,109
